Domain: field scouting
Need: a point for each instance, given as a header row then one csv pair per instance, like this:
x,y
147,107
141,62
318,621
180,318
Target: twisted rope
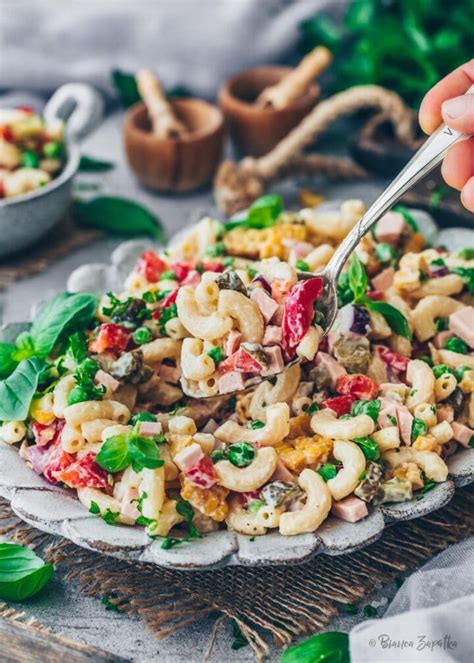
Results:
x,y
237,185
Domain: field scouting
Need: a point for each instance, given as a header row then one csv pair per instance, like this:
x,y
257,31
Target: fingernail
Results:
x,y
455,108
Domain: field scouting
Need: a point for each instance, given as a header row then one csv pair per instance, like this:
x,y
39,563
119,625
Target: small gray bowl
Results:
x,y
26,218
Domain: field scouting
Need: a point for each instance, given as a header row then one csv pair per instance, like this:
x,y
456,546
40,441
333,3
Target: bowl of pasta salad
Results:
x,y
39,157
103,445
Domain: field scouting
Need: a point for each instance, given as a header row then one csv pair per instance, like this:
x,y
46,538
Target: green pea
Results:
x,y
327,471
29,159
441,369
142,335
241,454
53,149
456,345
369,447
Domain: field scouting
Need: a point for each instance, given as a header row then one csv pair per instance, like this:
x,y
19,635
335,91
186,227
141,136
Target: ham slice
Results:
x,y
441,337
461,323
282,473
278,316
150,428
101,377
272,335
388,409
405,421
384,280
462,434
169,373
445,413
275,361
233,342
264,302
128,507
231,381
350,509
390,227
189,457
329,364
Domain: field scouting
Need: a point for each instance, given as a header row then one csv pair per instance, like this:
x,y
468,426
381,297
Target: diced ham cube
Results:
x,y
441,337
150,428
129,503
278,315
298,249
462,434
272,335
101,377
169,373
461,323
264,302
233,342
281,473
445,413
189,457
390,227
388,409
275,359
350,509
405,421
334,370
231,381
384,280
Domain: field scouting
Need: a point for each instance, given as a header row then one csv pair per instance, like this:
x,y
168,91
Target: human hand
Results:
x,y
446,102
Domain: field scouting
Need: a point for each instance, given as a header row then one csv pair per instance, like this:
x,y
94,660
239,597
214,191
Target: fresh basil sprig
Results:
x,y
22,572
329,647
263,213
120,451
357,283
126,87
118,216
8,362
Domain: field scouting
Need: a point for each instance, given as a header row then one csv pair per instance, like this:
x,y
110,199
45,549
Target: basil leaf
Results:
x,y
329,647
91,165
263,213
118,216
395,318
7,361
357,278
144,453
61,313
18,389
126,87
22,572
114,454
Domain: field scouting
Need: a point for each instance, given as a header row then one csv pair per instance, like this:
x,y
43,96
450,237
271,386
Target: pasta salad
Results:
x,y
32,151
92,393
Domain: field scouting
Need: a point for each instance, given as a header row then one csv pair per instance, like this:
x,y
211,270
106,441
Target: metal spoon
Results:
x,y
430,154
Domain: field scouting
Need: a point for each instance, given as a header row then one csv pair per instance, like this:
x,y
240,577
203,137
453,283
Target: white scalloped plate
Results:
x,y
54,510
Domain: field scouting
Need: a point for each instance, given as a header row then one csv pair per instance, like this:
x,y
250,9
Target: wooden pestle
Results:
x,y
294,85
164,122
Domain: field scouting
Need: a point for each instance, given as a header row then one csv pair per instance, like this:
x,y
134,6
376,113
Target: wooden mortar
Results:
x,y
179,163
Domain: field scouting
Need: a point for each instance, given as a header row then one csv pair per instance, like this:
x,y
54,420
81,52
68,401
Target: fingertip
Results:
x,y
467,195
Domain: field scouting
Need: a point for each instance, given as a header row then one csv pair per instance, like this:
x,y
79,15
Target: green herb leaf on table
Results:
x,y
18,389
118,216
126,87
92,165
22,573
239,638
329,647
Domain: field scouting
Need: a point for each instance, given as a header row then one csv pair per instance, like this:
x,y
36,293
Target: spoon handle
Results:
x,y
428,156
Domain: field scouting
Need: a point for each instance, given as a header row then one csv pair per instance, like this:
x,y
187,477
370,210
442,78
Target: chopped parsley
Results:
x,y
302,265
110,517
168,276
457,345
418,427
216,354
254,425
216,250
167,314
94,508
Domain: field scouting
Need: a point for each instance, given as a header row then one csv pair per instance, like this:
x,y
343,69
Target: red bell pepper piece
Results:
x,y
340,404
110,337
240,361
396,361
203,474
150,266
83,473
298,312
360,387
